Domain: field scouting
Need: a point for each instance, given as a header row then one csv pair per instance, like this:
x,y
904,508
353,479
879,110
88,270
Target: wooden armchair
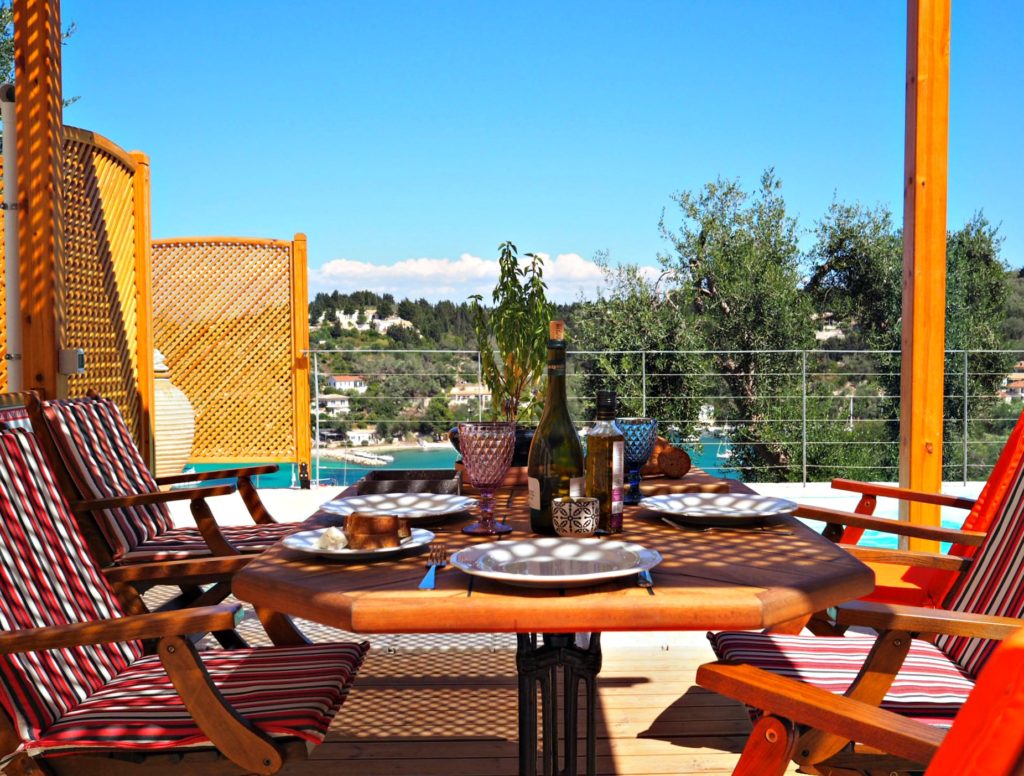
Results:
x,y
921,578
920,679
986,737
79,696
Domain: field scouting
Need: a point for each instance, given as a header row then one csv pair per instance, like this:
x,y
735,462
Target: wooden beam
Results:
x,y
300,348
924,256
144,304
40,145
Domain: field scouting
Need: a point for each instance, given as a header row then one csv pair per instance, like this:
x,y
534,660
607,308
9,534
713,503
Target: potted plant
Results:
x,y
512,339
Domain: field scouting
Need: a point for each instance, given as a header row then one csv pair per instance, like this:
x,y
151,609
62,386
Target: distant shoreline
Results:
x,y
337,452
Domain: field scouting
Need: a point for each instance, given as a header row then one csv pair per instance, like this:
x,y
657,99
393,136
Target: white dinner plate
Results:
x,y
305,541
718,508
555,561
415,506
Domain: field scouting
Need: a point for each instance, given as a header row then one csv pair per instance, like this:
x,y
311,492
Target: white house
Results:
x,y
361,436
355,383
335,405
463,393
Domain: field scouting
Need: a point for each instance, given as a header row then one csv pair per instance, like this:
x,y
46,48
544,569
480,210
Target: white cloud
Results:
x,y
567,276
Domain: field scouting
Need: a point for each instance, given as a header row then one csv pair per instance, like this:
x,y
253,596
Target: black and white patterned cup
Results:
x,y
575,516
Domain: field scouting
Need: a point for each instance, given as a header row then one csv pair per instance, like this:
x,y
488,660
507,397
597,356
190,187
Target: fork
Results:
x,y
438,558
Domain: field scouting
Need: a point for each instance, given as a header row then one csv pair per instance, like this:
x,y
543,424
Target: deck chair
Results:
x,y
79,696
98,465
924,680
987,735
911,577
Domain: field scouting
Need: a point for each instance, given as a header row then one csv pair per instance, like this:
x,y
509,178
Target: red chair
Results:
x,y
78,695
987,736
923,680
919,578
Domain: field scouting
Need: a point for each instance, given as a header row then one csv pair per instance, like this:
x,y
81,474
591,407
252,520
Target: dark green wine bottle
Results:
x,y
555,466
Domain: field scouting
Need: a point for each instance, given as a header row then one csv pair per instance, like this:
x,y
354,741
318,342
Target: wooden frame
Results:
x,y
826,723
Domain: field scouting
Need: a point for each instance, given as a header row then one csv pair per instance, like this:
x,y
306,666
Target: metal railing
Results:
x,y
799,415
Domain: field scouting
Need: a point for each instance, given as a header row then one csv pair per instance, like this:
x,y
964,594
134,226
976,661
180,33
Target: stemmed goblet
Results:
x,y
487,454
640,434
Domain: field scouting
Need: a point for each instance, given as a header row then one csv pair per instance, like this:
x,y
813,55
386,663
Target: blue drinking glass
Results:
x,y
640,434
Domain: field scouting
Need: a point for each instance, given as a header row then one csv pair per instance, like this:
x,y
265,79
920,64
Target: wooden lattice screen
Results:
x,y
230,317
106,273
105,309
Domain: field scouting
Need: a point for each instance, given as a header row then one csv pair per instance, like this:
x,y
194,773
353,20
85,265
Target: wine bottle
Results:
x,y
606,456
555,466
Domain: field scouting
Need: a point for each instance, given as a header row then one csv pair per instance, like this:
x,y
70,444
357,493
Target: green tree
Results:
x,y
736,263
7,45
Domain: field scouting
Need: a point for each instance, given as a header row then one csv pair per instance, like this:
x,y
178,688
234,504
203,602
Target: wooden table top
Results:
x,y
720,579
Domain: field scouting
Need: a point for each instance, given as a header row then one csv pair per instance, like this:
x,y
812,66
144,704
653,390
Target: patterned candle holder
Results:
x,y
487,455
575,516
640,434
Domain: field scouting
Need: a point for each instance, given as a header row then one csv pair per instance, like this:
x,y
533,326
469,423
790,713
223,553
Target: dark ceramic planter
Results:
x,y
524,437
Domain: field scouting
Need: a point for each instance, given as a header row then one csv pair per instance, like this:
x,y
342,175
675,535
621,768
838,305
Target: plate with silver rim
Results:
x,y
553,561
719,508
307,541
414,506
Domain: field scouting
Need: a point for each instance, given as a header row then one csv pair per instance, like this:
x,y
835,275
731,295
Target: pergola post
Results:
x,y
924,256
40,145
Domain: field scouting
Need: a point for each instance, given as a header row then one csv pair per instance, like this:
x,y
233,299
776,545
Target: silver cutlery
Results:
x,y
644,580
438,558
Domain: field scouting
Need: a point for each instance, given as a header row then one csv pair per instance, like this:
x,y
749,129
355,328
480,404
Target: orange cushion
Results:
x,y
891,587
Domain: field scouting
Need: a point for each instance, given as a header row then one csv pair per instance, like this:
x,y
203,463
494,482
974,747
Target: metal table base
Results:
x,y
538,667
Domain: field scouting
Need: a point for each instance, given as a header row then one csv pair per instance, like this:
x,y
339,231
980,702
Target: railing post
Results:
x,y
643,376
316,416
803,412
965,417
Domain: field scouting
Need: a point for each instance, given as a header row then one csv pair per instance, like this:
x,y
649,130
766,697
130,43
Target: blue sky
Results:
x,y
407,139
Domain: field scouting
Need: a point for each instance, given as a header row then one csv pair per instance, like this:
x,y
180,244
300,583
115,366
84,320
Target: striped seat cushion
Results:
x,y
104,462
188,542
929,687
286,692
15,417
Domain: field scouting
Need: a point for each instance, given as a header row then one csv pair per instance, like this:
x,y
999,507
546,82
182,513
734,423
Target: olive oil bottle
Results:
x,y
555,466
606,456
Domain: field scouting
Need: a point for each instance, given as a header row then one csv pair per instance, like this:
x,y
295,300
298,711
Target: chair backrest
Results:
x,y
988,734
47,578
994,584
102,461
987,511
13,410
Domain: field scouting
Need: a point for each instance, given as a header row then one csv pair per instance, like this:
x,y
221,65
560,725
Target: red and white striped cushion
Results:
x,y
104,462
46,579
15,417
189,542
994,584
291,692
929,687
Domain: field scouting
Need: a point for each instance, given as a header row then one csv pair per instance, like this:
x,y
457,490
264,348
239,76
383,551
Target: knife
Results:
x,y
644,580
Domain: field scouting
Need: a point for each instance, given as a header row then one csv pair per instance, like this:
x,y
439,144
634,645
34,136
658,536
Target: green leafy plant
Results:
x,y
512,335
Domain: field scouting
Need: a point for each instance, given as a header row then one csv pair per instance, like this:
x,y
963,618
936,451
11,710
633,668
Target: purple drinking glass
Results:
x,y
487,455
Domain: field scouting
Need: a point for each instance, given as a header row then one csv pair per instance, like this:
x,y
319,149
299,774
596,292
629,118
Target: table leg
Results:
x,y
538,667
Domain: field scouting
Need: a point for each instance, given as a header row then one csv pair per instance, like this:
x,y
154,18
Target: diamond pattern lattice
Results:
x,y
222,317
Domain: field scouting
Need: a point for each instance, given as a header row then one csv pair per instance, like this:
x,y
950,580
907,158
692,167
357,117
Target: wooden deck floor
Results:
x,y
427,705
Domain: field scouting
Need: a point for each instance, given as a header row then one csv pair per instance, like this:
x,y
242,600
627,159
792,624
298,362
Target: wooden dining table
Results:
x,y
735,578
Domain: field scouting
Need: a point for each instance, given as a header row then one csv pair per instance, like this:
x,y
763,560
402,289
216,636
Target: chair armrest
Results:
x,y
157,497
192,571
903,494
928,560
919,619
218,474
970,538
809,705
138,626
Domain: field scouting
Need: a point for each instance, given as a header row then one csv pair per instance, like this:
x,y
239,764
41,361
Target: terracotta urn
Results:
x,y
174,421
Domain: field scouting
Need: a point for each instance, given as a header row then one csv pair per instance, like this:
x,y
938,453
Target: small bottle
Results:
x,y
606,457
555,465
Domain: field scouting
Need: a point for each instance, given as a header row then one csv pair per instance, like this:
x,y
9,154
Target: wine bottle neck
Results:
x,y
556,375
